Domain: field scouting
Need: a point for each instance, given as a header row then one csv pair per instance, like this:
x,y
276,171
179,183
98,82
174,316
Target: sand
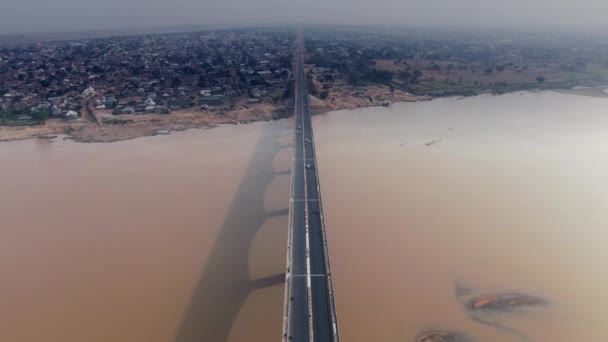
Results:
x,y
125,127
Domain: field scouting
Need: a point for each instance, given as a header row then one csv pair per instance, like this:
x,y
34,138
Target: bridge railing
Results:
x,y
330,284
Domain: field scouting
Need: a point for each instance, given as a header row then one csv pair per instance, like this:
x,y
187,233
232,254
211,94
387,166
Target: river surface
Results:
x,y
511,196
169,238
182,237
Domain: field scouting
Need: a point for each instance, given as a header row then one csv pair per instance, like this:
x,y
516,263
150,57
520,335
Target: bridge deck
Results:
x,y
309,308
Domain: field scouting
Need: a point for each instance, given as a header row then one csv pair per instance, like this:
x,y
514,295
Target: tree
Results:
x,y
405,75
289,90
189,71
417,74
175,82
540,79
251,62
40,115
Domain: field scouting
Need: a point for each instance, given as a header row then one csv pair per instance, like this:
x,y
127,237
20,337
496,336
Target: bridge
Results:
x,y
310,313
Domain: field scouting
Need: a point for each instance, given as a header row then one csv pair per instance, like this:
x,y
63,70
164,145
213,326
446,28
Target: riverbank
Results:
x,y
599,91
124,127
349,97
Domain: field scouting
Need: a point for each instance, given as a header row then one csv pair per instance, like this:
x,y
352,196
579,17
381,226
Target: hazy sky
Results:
x,y
62,15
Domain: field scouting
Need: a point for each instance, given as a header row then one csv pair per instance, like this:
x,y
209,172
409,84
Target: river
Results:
x,y
182,237
168,238
511,194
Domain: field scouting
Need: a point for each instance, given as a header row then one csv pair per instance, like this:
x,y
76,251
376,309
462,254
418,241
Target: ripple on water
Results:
x,y
441,336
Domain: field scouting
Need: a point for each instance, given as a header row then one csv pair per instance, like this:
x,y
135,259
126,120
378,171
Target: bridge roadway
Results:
x,y
309,302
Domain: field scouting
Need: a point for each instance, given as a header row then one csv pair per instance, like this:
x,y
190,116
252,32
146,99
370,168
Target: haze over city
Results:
x,y
69,15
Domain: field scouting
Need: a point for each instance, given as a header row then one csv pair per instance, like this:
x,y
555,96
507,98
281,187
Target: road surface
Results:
x,y
310,310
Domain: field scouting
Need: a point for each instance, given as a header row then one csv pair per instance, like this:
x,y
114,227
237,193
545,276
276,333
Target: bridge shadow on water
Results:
x,y
225,282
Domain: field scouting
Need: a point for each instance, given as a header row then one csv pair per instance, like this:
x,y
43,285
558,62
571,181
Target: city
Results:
x,y
303,171
201,79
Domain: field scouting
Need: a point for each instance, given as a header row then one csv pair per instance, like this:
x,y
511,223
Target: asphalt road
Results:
x,y
310,310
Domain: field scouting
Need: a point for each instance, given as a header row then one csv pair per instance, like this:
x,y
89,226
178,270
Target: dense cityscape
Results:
x,y
241,75
144,74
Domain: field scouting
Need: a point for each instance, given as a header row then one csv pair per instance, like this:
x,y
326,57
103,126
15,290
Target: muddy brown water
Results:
x,y
169,238
182,237
513,197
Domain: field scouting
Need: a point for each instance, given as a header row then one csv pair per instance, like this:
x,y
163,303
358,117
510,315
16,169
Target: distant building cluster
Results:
x,y
144,74
160,73
454,62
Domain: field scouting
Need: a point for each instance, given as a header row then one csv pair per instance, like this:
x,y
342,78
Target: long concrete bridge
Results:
x,y
310,313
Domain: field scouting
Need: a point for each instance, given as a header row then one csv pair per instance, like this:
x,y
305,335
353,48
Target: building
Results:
x,y
212,100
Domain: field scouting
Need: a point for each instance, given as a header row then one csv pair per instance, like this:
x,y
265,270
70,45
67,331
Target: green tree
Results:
x,y
405,76
40,116
416,75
